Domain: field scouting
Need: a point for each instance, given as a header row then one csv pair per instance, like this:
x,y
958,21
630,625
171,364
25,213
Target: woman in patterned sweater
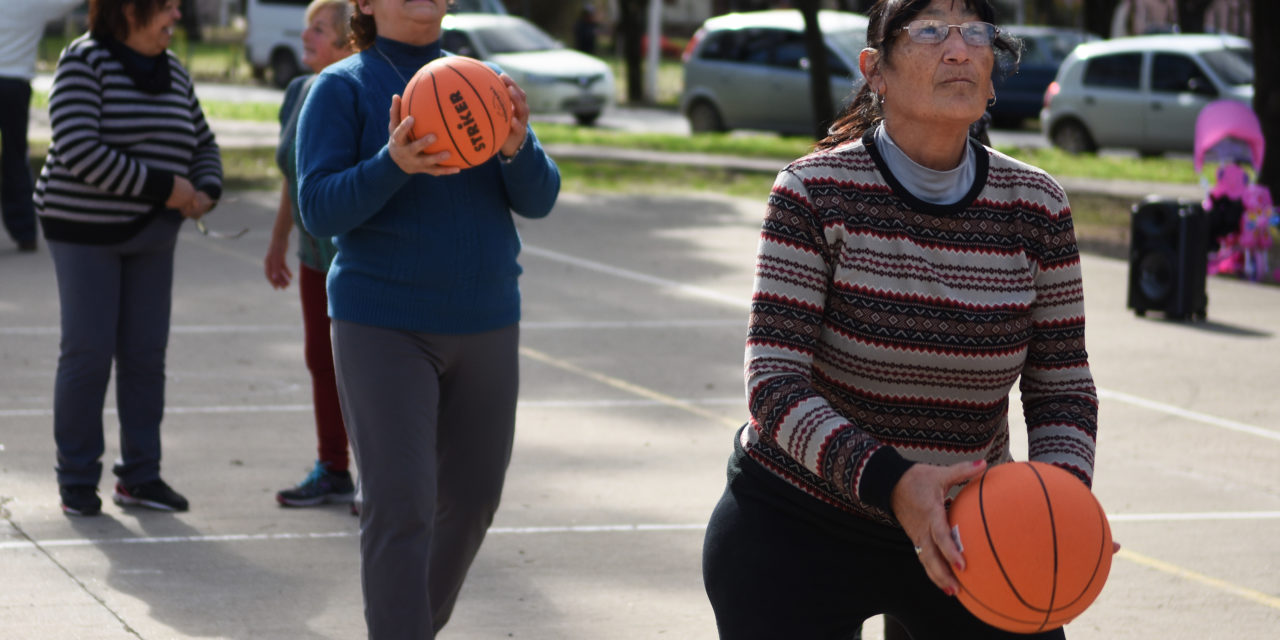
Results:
x,y
907,277
131,156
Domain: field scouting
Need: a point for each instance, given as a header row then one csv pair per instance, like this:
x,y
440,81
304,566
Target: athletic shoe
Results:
x,y
320,486
152,495
80,500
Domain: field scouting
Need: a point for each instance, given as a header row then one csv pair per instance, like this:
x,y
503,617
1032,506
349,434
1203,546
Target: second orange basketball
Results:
x,y
1036,543
464,103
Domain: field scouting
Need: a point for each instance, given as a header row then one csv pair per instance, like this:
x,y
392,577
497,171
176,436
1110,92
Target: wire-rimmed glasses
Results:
x,y
977,34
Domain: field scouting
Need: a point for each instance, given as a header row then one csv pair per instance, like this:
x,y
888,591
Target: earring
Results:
x,y
991,102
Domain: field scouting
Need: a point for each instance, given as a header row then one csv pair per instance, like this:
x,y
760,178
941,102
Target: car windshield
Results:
x,y
1234,66
850,43
515,38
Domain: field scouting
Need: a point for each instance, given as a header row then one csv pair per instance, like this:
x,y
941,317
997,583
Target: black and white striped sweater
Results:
x,y
886,330
117,148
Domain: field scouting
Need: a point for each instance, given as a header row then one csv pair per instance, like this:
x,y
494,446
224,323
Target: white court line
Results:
x,y
1203,418
568,529
600,267
303,408
574,325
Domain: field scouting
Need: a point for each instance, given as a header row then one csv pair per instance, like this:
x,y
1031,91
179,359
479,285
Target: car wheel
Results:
x,y
586,119
283,68
703,118
1072,137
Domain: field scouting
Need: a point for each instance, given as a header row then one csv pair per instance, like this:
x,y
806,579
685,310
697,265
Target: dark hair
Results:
x,y
107,19
363,29
888,17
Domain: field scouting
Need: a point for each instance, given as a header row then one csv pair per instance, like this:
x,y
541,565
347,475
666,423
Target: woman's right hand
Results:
x,y
181,195
919,504
407,152
275,266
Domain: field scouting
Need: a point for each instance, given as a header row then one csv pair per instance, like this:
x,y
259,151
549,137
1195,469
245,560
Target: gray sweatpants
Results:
x,y
431,420
115,301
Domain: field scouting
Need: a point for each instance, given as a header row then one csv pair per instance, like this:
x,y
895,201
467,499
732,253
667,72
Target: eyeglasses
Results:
x,y
204,230
977,34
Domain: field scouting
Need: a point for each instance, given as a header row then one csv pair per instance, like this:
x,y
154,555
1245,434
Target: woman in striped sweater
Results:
x,y
907,277
131,156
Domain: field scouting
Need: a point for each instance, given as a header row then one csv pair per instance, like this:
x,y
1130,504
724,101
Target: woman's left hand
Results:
x,y
197,206
919,504
519,117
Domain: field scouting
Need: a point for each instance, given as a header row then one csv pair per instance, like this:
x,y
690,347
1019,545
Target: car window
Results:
x,y
720,45
850,43
1234,66
1117,71
1032,52
457,42
514,38
790,50
1176,73
757,46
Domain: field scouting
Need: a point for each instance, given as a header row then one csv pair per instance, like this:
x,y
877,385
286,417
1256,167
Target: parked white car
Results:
x,y
555,79
1143,92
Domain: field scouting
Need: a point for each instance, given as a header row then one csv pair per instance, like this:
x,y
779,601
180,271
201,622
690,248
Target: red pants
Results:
x,y
331,434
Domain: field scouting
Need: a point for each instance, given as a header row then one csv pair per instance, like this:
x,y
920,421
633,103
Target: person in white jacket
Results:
x,y
22,23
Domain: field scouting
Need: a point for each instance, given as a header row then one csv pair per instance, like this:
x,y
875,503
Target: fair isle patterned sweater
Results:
x,y
886,330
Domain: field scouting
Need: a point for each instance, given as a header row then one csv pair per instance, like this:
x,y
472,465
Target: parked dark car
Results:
x,y
1020,95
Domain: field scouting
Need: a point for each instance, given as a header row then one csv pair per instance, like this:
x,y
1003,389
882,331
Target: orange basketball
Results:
x,y
1036,543
464,103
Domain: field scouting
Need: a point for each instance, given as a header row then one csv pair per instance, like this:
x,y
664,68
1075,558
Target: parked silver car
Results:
x,y
750,70
1143,92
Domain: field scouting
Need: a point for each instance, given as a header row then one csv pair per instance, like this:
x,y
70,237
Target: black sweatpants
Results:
x,y
777,563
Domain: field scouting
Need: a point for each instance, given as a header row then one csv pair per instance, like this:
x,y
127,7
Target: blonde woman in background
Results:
x,y
325,40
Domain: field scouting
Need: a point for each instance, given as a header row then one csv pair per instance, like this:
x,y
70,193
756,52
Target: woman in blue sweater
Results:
x,y
425,306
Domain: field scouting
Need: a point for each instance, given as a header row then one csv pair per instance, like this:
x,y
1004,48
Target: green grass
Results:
x,y
220,57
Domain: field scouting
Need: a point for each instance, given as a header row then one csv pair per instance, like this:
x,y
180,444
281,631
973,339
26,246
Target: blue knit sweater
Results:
x,y
419,253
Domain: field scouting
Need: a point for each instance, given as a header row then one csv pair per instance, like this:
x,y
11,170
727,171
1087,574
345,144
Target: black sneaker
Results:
x,y
321,486
80,500
152,495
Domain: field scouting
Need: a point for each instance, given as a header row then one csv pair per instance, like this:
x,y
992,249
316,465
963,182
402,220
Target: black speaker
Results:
x,y
1168,258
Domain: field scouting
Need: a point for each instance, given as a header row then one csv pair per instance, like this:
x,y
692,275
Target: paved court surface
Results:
x,y
632,383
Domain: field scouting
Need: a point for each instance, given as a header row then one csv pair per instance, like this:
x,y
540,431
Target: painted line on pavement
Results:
x,y
636,276
1195,416
628,387
1200,578
539,530
306,408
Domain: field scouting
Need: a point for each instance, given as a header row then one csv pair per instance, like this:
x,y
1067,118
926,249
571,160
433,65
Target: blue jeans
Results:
x,y
115,302
15,174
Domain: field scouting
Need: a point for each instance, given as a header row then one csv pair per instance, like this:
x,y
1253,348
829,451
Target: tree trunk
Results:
x,y
1191,15
1266,87
819,69
1098,15
631,19
191,20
